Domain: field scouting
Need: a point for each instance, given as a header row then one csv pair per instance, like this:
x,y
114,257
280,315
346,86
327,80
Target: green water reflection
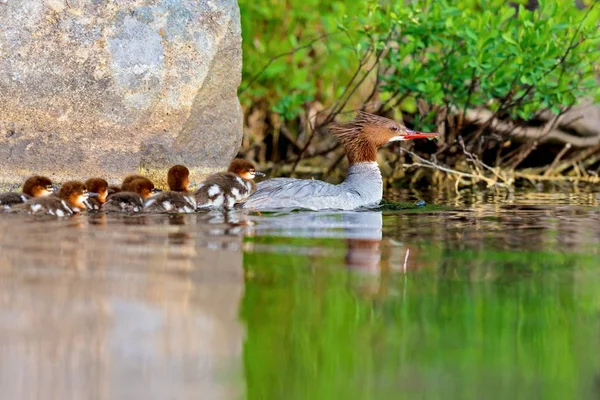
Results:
x,y
492,303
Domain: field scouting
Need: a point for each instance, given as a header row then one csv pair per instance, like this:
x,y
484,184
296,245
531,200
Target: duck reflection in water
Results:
x,y
178,238
370,257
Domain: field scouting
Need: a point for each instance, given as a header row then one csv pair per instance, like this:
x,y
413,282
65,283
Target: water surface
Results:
x,y
491,295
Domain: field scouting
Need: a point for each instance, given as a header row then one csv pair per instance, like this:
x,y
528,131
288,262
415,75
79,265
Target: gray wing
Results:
x,y
289,192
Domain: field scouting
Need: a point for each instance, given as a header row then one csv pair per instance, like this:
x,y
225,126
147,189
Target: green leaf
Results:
x,y
507,38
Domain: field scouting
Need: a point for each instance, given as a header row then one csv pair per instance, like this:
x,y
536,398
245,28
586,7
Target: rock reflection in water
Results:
x,y
103,307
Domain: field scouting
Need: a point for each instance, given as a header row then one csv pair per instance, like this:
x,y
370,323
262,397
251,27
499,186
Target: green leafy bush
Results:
x,y
294,52
458,54
428,61
513,61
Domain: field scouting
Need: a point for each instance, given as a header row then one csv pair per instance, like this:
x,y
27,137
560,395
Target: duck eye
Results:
x,y
394,128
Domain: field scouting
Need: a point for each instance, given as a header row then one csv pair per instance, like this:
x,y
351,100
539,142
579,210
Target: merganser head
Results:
x,y
97,187
178,178
38,186
362,136
142,186
74,193
244,168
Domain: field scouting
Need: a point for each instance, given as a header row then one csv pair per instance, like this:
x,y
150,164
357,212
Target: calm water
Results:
x,y
486,296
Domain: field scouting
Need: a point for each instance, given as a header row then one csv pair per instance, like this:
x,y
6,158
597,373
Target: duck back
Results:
x,y
7,200
170,201
49,205
123,202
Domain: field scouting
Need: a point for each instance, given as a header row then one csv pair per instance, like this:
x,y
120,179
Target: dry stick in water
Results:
x,y
428,164
556,160
476,161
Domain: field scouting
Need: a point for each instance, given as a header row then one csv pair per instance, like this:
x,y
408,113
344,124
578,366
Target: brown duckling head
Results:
x,y
128,179
128,186
38,186
74,193
143,186
243,168
98,187
178,178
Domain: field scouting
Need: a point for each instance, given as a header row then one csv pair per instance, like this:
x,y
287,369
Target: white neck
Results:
x,y
364,178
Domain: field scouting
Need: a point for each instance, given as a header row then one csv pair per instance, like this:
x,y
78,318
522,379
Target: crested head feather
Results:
x,y
363,135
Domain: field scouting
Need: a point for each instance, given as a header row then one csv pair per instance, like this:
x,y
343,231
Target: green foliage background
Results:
x,y
459,54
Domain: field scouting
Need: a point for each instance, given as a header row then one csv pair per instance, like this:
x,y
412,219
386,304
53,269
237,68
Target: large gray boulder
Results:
x,y
106,87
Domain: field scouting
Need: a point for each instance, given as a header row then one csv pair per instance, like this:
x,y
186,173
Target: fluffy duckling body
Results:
x,y
131,200
70,200
225,189
35,186
170,202
7,200
97,187
176,199
112,189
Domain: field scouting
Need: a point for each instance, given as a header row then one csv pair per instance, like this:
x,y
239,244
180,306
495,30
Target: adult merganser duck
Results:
x,y
177,198
35,186
225,189
363,186
97,187
70,200
131,199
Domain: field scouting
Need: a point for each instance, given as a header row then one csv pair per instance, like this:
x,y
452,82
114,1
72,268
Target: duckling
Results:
x,y
97,187
178,178
112,189
225,189
128,179
70,200
35,186
131,200
176,199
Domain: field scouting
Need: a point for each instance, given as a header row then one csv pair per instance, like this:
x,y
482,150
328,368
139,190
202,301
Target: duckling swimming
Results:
x,y
225,189
178,178
35,186
70,200
128,183
112,189
97,187
131,200
176,199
